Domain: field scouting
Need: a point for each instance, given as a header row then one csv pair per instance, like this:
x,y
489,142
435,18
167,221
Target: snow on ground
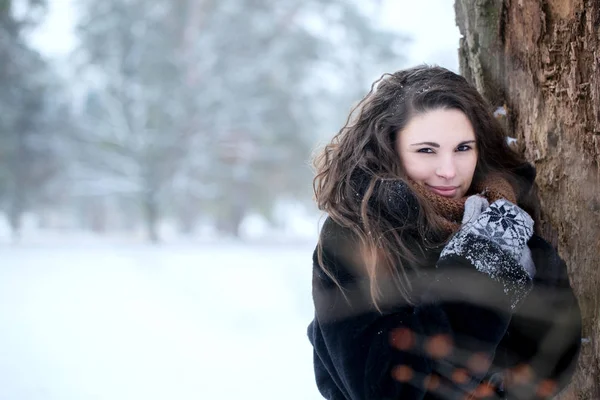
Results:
x,y
176,321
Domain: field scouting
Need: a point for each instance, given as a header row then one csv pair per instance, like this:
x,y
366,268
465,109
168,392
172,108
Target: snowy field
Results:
x,y
109,321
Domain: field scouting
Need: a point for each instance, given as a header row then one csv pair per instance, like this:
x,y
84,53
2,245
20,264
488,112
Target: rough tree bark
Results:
x,y
540,59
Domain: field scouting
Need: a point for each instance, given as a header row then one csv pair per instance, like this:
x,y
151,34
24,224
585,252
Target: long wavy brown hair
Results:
x,y
366,146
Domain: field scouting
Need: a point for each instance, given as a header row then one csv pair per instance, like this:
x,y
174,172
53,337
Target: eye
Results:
x,y
464,147
426,150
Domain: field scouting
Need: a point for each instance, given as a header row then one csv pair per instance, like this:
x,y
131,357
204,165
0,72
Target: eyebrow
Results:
x,y
433,144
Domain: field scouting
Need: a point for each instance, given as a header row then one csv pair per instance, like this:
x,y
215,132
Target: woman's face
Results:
x,y
438,150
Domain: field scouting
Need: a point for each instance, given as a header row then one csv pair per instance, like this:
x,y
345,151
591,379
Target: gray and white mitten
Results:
x,y
494,242
474,206
506,224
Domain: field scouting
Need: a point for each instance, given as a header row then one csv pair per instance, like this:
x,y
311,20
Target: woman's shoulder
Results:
x,y
339,247
342,251
336,237
392,198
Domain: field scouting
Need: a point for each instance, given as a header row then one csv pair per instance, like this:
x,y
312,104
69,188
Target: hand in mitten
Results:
x,y
506,224
474,206
494,243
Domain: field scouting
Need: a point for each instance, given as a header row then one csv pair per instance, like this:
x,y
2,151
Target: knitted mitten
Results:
x,y
494,243
474,206
505,224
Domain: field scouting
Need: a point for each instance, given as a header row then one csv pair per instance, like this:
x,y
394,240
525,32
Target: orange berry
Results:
x,y
402,373
484,389
546,388
432,382
522,374
460,376
479,363
402,339
439,346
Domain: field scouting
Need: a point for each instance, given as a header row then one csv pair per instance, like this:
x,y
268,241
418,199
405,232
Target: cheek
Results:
x,y
468,165
417,169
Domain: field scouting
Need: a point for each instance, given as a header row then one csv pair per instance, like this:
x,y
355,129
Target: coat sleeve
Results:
x,y
441,345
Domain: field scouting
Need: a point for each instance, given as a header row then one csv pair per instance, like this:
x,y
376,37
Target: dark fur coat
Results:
x,y
461,336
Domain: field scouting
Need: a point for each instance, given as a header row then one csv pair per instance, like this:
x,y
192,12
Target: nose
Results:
x,y
446,168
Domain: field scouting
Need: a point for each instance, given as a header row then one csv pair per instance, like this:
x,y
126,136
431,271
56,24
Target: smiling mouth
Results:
x,y
446,191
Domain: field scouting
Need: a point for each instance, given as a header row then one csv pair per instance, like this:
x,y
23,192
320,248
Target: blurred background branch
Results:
x,y
190,113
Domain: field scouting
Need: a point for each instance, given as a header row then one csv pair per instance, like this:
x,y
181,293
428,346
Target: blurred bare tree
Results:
x,y
192,110
30,159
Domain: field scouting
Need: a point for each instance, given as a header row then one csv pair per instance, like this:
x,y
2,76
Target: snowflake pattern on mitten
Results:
x,y
506,224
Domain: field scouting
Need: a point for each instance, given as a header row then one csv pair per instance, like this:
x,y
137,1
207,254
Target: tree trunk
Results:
x,y
540,59
18,193
97,215
14,216
151,214
229,223
188,213
17,200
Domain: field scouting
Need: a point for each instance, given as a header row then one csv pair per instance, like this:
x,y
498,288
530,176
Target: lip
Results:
x,y
446,191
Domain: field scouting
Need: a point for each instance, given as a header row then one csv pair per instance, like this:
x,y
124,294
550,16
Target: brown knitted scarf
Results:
x,y
451,211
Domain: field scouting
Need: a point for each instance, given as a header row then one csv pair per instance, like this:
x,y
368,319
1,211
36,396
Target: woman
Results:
x,y
429,279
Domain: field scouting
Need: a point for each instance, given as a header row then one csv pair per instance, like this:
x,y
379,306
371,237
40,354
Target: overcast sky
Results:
x,y
431,24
